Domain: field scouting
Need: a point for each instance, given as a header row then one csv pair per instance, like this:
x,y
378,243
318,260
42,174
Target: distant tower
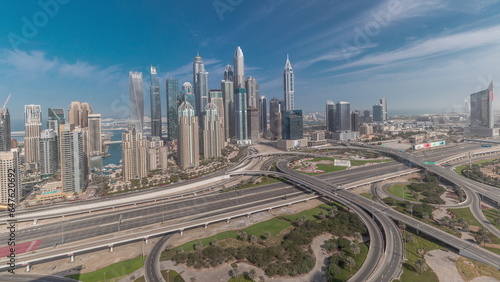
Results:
x,y
173,102
252,88
293,125
49,152
74,113
228,73
33,127
228,96
211,132
367,116
378,113
217,99
94,146
85,111
200,79
481,108
330,116
136,100
9,169
288,83
240,115
5,131
355,121
383,102
188,143
155,101
239,69
72,159
275,110
55,119
253,125
263,114
188,96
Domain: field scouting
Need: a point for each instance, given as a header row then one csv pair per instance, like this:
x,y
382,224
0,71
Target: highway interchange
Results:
x,y
386,249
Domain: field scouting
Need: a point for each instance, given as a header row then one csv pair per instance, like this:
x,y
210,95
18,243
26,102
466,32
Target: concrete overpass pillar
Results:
x,y
227,220
28,268
269,210
110,248
146,240
35,221
71,257
182,231
206,225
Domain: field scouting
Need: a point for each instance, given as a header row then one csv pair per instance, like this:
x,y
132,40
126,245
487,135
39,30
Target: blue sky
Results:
x,y
423,56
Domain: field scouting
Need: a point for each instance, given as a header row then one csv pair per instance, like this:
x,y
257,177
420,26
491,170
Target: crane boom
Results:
x,y
6,101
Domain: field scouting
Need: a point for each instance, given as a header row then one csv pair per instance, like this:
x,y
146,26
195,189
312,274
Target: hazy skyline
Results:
x,y
425,56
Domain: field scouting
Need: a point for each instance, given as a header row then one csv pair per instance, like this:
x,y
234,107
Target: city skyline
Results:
x,y
419,49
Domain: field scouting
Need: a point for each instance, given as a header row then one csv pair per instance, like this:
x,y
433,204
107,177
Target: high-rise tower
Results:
x,y
188,142
173,102
263,114
228,73
55,119
33,127
252,92
228,96
49,152
136,100
94,147
288,83
5,131
275,110
481,108
330,116
239,69
200,85
155,101
378,113
10,176
211,132
383,102
72,159
240,115
217,99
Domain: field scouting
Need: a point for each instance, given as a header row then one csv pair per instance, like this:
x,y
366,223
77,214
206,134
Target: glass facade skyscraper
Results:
x,y
293,125
136,100
5,131
240,114
173,102
481,108
155,101
288,84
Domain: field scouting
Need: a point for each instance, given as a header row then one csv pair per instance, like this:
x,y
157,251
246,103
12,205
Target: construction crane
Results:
x,y
6,101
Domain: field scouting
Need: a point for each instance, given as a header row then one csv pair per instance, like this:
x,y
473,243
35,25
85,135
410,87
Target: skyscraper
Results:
x,y
211,132
74,113
55,119
134,155
33,127
188,96
383,102
239,69
355,120
481,108
240,115
253,123
9,164
49,152
275,108
228,73
5,131
136,100
293,125
188,142
200,79
155,101
288,84
330,116
85,111
157,154
263,114
252,88
94,135
367,117
72,159
228,96
173,102
217,99
378,113
343,116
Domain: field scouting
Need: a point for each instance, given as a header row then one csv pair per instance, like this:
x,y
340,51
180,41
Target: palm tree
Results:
x,y
420,265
